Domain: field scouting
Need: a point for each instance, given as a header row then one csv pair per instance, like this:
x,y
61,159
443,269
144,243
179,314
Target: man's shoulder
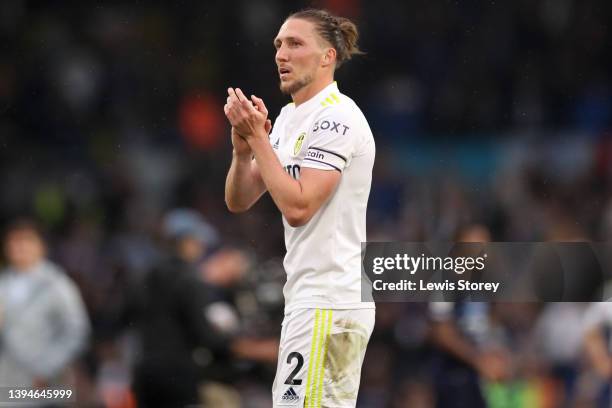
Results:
x,y
338,105
52,270
54,275
343,117
4,275
285,110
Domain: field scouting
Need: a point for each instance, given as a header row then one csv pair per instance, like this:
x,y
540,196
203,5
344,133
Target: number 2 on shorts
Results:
x,y
300,362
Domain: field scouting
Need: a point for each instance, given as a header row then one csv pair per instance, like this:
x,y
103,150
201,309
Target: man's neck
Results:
x,y
26,267
307,92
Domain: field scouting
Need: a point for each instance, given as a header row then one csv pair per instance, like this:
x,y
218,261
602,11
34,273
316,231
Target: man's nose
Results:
x,y
281,54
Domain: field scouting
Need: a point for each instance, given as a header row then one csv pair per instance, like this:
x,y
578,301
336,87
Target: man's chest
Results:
x,y
290,143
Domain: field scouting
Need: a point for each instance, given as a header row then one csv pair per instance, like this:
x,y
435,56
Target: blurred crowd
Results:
x,y
492,122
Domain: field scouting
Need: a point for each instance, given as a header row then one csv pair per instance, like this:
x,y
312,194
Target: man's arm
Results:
x,y
596,318
491,364
298,200
243,186
597,352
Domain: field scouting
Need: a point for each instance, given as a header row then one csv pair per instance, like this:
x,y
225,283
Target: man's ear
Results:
x,y
329,57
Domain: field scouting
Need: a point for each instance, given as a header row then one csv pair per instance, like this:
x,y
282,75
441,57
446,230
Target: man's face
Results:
x,y
23,248
298,54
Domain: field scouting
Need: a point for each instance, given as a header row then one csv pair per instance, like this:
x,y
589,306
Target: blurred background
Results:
x,y
492,121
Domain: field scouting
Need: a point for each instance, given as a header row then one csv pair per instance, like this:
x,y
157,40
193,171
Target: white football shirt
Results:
x,y
323,261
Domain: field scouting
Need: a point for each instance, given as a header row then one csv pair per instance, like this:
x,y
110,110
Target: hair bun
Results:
x,y
340,32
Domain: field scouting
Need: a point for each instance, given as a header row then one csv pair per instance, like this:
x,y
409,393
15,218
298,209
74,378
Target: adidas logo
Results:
x,y
276,144
290,395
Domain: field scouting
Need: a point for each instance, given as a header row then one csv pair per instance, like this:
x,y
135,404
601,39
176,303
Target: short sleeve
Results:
x,y
597,315
441,311
331,142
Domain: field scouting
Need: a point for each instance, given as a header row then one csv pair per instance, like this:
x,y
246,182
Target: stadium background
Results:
x,y
491,113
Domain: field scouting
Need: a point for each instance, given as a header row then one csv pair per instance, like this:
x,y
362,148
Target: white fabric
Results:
x,y
323,260
331,346
599,315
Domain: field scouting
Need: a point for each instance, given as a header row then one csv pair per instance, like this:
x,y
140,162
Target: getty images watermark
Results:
x,y
410,264
498,271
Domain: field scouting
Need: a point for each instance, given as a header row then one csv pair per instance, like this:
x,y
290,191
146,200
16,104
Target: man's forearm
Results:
x,y
241,187
597,352
285,191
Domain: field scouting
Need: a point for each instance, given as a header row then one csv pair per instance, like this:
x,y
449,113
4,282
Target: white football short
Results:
x,y
320,357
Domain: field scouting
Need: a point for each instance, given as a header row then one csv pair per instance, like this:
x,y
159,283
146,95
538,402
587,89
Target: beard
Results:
x,y
292,87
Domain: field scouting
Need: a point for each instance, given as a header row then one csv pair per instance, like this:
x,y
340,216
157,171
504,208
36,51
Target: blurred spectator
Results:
x,y
558,334
188,327
468,353
468,349
224,272
179,343
598,348
43,322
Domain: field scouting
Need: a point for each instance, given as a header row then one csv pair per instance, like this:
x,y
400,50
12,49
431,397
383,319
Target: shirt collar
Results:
x,y
34,270
316,100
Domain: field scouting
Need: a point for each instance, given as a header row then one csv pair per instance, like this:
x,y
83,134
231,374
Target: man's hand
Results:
x,y
244,184
241,147
603,367
262,350
494,365
248,117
